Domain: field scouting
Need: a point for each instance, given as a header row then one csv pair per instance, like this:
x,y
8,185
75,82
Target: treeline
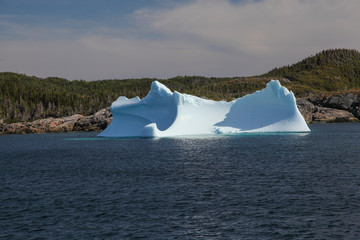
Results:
x,y
26,98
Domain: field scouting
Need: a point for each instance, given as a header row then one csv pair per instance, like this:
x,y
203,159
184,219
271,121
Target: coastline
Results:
x,y
326,109
96,122
329,109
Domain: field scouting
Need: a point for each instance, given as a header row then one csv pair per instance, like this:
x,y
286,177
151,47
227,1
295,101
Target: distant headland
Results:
x,y
326,85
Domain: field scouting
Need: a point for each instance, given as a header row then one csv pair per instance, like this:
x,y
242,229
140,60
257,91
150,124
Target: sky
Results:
x,y
121,39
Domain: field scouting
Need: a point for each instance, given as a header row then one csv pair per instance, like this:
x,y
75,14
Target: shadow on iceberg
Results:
x,y
146,117
164,113
271,109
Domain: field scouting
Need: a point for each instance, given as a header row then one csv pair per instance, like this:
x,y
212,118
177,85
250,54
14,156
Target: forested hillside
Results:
x,y
330,70
26,98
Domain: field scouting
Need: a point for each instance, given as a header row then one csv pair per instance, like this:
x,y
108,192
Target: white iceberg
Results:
x,y
163,113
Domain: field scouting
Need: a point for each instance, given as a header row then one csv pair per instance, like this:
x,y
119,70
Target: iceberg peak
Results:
x,y
159,88
277,89
159,94
164,113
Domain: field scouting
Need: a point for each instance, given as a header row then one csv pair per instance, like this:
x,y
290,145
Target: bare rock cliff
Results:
x,y
337,108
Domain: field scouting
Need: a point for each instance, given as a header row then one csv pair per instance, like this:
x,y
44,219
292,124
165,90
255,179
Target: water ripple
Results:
x,y
250,187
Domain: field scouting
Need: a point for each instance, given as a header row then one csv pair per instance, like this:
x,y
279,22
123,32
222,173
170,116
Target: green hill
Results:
x,y
26,98
329,70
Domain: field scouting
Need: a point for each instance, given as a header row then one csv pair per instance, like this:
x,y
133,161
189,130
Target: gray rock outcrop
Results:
x,y
96,122
99,121
337,108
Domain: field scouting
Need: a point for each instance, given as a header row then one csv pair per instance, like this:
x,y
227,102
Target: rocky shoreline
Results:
x,y
96,122
318,109
328,109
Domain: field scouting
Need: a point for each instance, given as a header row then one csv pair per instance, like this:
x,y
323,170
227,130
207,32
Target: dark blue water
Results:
x,y
271,186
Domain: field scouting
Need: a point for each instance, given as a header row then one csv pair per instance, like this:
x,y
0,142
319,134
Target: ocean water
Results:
x,y
251,186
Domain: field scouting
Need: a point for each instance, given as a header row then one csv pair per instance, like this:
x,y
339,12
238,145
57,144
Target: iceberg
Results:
x,y
163,113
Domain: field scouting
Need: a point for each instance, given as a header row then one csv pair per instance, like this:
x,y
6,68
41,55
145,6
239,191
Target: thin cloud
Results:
x,y
263,27
203,37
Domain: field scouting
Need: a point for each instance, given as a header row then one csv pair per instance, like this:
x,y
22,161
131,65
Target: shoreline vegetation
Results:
x,y
326,85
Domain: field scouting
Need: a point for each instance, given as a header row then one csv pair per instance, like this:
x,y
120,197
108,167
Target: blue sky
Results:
x,y
90,40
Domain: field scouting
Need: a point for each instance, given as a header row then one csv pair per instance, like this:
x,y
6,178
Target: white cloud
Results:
x,y
203,37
